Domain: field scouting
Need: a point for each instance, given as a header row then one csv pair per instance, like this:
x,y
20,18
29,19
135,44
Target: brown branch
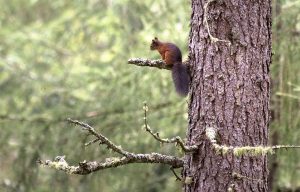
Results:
x,y
92,142
177,140
88,167
174,172
101,138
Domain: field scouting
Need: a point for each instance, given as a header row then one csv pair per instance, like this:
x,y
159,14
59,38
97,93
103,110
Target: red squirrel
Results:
x,y
171,54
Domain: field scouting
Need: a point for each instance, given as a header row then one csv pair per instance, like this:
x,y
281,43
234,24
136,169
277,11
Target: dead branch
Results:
x,y
101,138
175,174
177,140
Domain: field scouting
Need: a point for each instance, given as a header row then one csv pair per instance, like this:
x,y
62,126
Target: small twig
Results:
x,y
239,176
177,140
91,142
177,177
285,146
88,167
288,95
101,138
212,38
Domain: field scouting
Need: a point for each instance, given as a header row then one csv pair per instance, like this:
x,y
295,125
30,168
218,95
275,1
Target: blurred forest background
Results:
x,y
61,59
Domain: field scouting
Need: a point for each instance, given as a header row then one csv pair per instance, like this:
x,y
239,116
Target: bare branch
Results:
x,y
288,95
173,171
177,140
92,142
285,146
101,138
88,167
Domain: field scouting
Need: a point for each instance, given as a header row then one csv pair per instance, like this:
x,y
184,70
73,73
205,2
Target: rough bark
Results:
x,y
230,92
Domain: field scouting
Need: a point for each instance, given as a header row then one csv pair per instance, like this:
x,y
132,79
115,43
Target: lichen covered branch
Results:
x,y
88,167
152,63
149,63
59,163
243,150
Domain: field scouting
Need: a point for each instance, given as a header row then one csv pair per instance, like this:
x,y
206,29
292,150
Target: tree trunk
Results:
x,y
230,92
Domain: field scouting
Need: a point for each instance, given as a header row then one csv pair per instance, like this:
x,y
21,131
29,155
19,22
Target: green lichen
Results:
x,y
63,166
188,180
211,134
252,151
225,150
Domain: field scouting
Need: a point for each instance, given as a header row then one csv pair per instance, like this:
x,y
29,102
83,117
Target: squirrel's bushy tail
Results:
x,y
180,78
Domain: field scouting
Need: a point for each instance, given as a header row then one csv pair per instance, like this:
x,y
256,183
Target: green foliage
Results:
x,y
286,96
61,59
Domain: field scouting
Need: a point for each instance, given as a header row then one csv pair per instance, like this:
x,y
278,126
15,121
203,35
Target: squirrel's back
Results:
x,y
174,54
171,54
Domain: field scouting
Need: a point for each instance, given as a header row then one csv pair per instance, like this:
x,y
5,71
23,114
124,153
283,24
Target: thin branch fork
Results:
x,y
177,140
101,138
127,157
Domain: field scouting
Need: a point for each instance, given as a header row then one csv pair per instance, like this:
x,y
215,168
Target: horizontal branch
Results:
x,y
285,146
288,95
149,63
88,167
243,150
152,63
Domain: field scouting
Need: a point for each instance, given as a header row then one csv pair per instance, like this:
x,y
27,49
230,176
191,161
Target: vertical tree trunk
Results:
x,y
230,92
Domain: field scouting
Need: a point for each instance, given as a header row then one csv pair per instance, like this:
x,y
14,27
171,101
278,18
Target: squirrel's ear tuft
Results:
x,y
156,38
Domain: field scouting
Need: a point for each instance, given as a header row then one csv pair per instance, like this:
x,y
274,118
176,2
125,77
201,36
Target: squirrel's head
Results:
x,y
154,44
